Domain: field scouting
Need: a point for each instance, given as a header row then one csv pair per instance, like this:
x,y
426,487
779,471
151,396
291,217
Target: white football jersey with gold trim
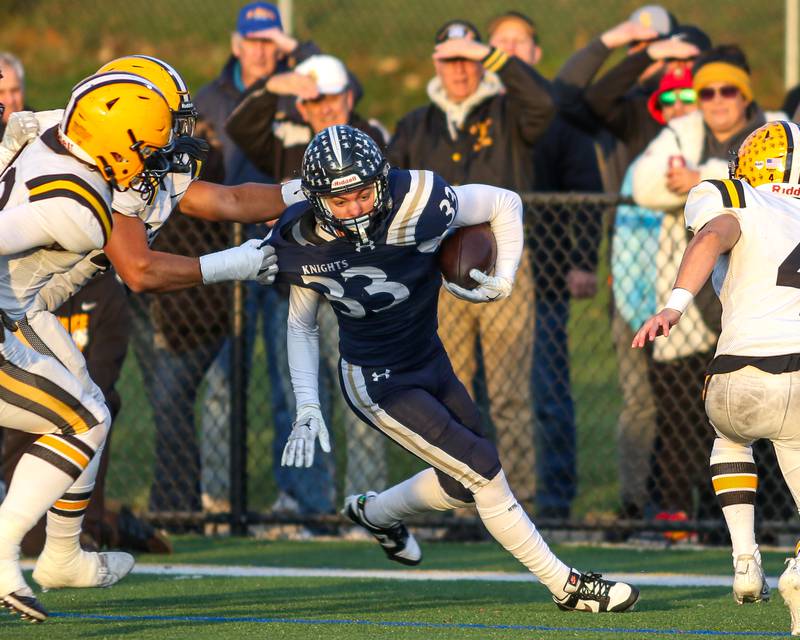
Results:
x,y
758,282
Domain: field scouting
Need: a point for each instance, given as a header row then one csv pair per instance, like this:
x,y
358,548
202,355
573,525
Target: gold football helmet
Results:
x,y
115,122
168,81
767,155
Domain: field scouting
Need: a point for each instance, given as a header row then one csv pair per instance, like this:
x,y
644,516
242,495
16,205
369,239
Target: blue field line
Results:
x,y
420,625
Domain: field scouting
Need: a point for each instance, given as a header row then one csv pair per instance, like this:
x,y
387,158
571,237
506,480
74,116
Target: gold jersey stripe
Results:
x,y
41,397
98,206
736,201
68,451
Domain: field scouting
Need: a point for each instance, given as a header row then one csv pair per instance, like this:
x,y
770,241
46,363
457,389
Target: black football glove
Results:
x,y
186,151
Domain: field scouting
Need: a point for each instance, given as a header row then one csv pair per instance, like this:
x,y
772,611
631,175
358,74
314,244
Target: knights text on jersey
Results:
x,y
68,200
758,281
384,294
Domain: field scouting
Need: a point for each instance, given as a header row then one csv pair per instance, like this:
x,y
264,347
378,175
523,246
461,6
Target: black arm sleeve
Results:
x,y
250,127
610,100
529,101
571,82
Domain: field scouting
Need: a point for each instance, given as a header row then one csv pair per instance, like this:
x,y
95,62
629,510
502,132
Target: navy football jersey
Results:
x,y
385,294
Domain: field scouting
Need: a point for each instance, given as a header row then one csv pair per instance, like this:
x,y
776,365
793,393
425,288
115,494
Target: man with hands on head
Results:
x,y
616,104
486,112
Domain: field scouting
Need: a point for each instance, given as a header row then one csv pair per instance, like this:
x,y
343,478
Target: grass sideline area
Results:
x,y
147,606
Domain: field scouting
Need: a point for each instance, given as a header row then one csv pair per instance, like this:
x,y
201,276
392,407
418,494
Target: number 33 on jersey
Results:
x,y
395,279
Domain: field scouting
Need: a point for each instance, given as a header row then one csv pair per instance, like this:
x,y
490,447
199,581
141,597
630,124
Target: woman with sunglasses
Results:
x,y
693,147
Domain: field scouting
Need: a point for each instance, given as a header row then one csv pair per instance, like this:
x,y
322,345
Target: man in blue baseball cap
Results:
x,y
259,42
256,17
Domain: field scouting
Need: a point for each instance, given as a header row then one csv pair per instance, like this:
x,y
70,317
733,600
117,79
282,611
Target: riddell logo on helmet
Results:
x,y
345,181
787,190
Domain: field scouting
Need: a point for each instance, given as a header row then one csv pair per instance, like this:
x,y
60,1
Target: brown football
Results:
x,y
465,249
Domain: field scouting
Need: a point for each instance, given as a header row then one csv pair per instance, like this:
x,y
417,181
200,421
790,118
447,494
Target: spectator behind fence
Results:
x,y
324,96
12,87
635,240
260,48
487,111
615,109
692,148
176,337
563,245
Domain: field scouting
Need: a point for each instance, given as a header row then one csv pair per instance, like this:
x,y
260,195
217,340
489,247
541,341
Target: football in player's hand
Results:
x,y
465,249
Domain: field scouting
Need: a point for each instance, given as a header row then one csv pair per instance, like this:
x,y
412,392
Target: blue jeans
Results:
x,y
312,488
555,412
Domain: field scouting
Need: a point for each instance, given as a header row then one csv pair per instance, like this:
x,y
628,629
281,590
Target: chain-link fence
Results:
x,y
592,433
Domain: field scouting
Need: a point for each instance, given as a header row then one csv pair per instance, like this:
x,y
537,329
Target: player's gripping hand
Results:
x,y
186,151
253,260
657,325
307,427
22,127
292,192
489,289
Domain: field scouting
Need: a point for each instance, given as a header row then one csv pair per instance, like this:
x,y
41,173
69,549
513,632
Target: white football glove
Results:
x,y
490,288
22,127
253,260
307,427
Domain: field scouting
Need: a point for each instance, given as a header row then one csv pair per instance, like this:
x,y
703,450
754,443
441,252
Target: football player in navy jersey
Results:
x,y
366,238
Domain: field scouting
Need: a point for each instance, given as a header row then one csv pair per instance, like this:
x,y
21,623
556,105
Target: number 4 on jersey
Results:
x,y
789,271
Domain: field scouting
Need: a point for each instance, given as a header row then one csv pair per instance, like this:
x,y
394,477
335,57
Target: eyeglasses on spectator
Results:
x,y
669,98
728,92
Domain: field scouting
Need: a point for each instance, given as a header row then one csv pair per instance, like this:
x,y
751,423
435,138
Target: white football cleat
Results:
x,y
590,592
397,541
86,569
789,586
749,583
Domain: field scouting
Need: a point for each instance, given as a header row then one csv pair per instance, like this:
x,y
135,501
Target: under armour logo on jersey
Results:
x,y
364,246
378,376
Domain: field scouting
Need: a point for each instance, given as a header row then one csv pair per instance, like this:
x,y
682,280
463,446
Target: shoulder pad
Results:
x,y
422,206
731,192
73,187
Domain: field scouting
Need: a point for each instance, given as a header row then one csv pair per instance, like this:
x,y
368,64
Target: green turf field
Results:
x,y
189,606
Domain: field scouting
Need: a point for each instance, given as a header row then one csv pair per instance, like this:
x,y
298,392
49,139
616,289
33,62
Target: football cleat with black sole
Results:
x,y
24,604
590,592
397,542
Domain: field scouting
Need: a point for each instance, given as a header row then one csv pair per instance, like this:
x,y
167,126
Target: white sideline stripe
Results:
x,y
209,570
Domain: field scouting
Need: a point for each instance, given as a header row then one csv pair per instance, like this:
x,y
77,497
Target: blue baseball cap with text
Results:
x,y
258,16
